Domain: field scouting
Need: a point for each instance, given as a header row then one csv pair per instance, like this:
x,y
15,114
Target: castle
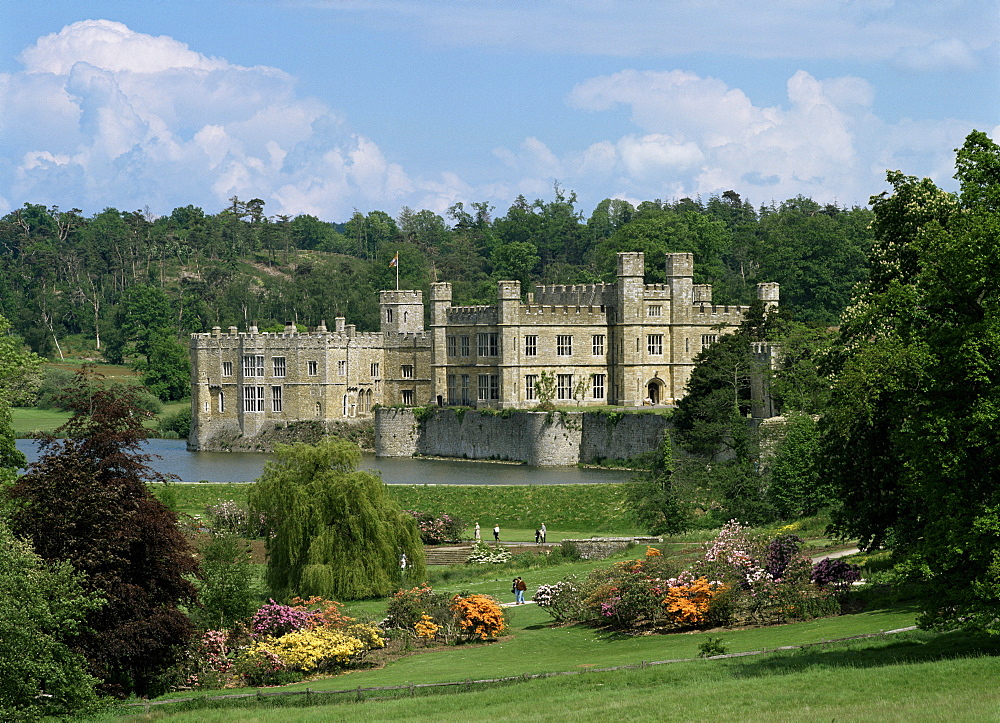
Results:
x,y
626,343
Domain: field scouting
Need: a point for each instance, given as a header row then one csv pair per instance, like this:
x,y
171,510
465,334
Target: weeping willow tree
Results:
x,y
336,531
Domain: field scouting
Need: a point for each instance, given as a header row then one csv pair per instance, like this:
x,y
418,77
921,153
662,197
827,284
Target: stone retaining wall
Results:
x,y
599,548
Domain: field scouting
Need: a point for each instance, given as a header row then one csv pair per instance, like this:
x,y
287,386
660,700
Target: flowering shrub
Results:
x,y
320,648
228,516
479,616
688,604
652,552
780,552
324,612
262,667
435,530
407,608
483,554
426,627
562,601
275,620
835,574
741,578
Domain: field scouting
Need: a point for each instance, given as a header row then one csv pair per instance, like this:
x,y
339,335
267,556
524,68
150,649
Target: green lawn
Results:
x,y
28,420
883,681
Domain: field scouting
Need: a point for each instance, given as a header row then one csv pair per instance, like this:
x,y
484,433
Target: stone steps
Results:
x,y
448,555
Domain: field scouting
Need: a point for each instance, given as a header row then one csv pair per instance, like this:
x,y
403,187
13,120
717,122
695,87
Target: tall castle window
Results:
x,y
406,371
654,344
253,399
564,386
388,318
278,364
227,369
564,345
465,389
408,397
489,387
342,368
222,402
655,310
597,385
708,339
452,389
597,344
529,386
452,343
488,344
465,345
253,365
374,369
312,368
531,345
275,399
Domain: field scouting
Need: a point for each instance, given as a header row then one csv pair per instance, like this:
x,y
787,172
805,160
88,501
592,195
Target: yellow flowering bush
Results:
x,y
652,552
315,649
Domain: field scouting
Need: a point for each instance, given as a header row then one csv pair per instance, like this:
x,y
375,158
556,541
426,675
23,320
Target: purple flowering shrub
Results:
x,y
781,551
435,530
835,574
275,620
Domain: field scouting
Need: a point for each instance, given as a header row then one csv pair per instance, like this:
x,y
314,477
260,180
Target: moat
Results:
x,y
245,467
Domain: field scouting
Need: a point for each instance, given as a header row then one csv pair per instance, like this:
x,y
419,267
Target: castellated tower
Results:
x,y
401,311
440,304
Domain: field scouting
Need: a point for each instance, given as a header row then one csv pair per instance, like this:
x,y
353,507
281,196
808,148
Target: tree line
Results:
x,y
124,282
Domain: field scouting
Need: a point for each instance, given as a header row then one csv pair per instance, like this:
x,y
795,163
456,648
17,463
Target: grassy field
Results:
x,y
26,421
566,510
882,681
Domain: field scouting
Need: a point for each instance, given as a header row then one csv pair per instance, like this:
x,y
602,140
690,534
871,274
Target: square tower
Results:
x,y
401,311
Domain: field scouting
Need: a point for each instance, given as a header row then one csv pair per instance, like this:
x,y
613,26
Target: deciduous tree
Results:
x,y
910,435
86,502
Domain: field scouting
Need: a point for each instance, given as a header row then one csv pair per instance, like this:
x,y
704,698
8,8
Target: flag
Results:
x,y
395,261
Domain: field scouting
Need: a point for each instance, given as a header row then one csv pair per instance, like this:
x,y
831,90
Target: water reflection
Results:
x,y
245,467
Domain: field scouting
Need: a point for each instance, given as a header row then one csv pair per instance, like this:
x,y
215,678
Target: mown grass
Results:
x,y
566,510
892,680
28,420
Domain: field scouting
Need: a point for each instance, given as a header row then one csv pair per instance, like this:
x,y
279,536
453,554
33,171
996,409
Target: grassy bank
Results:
x,y
881,681
567,510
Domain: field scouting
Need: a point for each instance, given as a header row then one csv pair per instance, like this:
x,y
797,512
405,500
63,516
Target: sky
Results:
x,y
324,107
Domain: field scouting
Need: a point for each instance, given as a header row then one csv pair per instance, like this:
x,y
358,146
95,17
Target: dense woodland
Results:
x,y
118,279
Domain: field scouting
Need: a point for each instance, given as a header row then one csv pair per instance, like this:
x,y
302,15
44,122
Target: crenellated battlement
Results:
x,y
574,294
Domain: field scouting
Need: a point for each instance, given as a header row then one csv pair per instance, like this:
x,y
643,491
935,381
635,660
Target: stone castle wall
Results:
x,y
540,439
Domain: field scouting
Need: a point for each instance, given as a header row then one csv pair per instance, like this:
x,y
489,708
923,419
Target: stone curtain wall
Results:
x,y
540,439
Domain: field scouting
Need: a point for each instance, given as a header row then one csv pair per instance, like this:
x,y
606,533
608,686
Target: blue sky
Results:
x,y
324,107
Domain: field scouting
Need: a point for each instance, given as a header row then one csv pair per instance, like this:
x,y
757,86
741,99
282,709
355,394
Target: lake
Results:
x,y
246,466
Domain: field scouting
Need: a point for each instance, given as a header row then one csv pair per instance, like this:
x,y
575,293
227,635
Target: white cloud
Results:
x,y
702,137
942,54
114,117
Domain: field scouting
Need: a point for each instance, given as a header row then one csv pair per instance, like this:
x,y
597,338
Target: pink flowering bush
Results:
x,y
435,530
275,620
741,578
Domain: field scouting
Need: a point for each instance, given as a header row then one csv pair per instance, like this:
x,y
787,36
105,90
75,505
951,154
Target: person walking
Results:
x,y
496,533
542,530
518,589
538,536
476,535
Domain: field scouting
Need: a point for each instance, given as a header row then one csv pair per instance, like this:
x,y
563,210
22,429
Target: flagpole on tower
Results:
x,y
395,263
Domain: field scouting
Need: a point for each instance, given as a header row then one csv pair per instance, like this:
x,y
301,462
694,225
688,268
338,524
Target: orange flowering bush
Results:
x,y
426,627
327,612
479,616
652,552
688,604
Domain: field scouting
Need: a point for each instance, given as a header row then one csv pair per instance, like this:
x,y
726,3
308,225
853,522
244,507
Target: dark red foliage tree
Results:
x,y
86,501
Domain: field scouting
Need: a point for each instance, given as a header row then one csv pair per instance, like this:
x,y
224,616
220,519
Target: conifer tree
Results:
x,y
336,533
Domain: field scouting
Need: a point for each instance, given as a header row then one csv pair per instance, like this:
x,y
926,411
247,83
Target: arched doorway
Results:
x,y
654,391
